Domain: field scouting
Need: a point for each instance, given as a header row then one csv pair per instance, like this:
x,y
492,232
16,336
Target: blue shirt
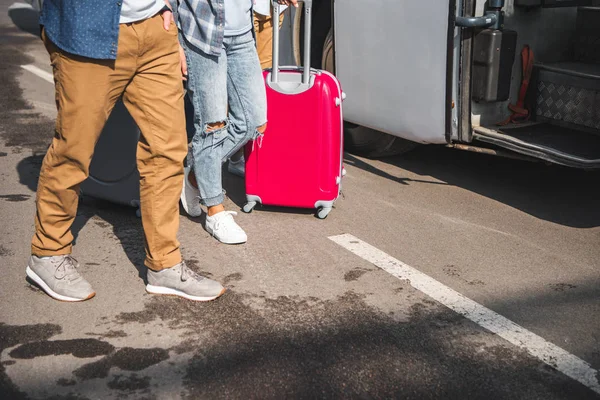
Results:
x,y
88,28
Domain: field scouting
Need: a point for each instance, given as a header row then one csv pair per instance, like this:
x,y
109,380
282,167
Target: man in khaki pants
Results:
x,y
101,51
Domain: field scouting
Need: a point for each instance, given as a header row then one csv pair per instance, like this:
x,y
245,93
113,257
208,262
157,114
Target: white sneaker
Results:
x,y
225,229
238,167
190,196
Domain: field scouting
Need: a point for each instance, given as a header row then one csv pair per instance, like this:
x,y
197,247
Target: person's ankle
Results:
x,y
212,210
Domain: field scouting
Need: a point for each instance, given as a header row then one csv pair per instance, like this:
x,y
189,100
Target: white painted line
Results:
x,y
39,72
535,345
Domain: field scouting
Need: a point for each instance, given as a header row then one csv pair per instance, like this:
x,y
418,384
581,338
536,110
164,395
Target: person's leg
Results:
x,y
86,91
263,29
214,141
264,47
155,100
207,88
246,94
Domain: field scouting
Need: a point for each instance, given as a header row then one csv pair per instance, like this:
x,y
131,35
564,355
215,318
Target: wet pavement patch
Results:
x,y
130,359
101,224
4,252
354,274
80,348
291,347
70,396
125,318
451,270
109,334
15,197
127,359
98,369
562,287
12,335
129,383
195,265
20,130
66,382
232,278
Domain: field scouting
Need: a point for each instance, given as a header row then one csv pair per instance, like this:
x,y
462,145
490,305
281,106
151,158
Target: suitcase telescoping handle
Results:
x,y
307,9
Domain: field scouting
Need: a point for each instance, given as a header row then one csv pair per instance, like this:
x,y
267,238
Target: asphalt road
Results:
x,y
303,316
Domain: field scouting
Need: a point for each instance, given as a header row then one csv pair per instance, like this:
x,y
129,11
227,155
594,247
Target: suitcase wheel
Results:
x,y
136,204
249,206
323,212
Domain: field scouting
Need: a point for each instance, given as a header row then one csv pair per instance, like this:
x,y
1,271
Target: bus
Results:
x,y
519,78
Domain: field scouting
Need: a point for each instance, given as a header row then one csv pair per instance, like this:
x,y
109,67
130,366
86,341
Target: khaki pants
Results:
x,y
148,76
263,26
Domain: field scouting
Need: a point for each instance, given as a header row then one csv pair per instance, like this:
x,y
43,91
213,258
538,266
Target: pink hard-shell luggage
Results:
x,y
298,161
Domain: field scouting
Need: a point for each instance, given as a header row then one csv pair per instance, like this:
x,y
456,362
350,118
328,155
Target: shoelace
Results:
x,y
187,273
67,268
227,215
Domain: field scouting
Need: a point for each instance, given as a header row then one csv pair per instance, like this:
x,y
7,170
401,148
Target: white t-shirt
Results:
x,y
263,7
138,10
238,19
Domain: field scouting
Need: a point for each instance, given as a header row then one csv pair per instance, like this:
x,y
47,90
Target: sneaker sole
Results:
x,y
223,241
172,292
40,282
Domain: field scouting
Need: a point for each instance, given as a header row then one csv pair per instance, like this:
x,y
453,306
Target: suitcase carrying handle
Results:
x,y
307,9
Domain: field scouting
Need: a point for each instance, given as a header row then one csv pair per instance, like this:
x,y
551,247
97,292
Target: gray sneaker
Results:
x,y
58,277
183,282
237,168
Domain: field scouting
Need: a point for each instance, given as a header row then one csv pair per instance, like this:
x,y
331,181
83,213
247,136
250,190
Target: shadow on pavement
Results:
x,y
126,226
349,159
236,192
557,194
244,346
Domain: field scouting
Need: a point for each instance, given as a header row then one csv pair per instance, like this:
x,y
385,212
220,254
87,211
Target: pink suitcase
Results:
x,y
298,161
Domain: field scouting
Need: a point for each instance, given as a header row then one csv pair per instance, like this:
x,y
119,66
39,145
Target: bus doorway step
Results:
x,y
549,142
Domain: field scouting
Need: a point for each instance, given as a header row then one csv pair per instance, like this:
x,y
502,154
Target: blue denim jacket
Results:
x,y
88,28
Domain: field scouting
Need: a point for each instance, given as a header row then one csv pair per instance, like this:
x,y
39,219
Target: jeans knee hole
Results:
x,y
261,129
216,132
214,126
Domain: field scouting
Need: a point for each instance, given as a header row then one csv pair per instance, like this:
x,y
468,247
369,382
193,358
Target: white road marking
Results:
x,y
535,345
39,72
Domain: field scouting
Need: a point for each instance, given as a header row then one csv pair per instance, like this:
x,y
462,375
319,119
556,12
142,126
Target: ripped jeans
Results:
x,y
229,89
